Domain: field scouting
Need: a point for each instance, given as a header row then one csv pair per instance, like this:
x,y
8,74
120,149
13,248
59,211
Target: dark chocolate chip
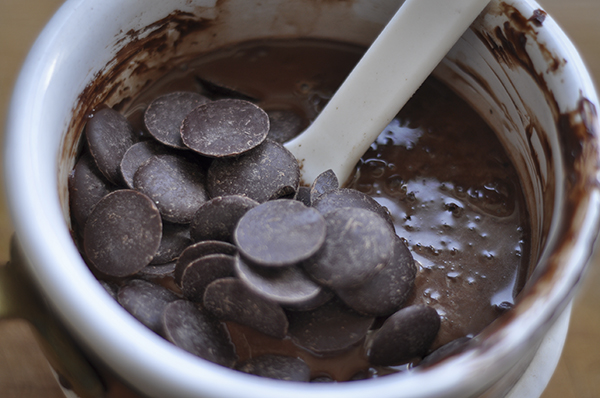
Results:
x,y
345,197
201,272
285,124
217,218
230,300
269,171
176,186
175,238
123,233
303,195
146,302
157,271
197,332
405,335
359,244
217,90
280,233
454,347
226,127
164,116
288,286
110,288
86,187
387,291
200,249
109,136
325,182
278,367
136,156
329,329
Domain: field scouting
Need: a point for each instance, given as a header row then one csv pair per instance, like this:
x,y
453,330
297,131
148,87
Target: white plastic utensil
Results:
x,y
395,65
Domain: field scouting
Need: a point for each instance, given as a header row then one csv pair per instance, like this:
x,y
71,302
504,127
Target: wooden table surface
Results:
x,y
24,372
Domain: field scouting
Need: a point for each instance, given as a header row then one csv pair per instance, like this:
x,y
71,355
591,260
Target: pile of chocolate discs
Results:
x,y
205,199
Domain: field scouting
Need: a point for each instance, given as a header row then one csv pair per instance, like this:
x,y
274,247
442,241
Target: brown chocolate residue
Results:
x,y
538,17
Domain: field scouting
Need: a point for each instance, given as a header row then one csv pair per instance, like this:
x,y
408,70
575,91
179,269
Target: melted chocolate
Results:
x,y
452,191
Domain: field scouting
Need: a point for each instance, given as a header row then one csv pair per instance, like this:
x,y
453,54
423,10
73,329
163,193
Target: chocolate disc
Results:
x,y
153,271
109,136
123,233
405,335
345,197
201,272
226,127
200,249
285,124
176,186
175,238
217,218
164,116
280,233
359,244
303,195
278,367
197,332
325,182
146,302
269,171
230,300
288,286
136,156
329,329
86,187
387,291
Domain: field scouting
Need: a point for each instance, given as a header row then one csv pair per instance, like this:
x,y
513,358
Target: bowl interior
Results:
x,y
514,66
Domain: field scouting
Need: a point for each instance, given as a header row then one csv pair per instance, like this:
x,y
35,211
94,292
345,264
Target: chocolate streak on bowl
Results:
x,y
147,54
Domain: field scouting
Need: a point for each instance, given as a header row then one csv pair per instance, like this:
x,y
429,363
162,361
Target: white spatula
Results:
x,y
395,65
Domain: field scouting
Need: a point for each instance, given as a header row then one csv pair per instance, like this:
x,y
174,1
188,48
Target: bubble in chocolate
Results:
x,y
198,250
175,184
285,124
145,301
230,300
329,329
405,335
164,116
267,172
226,127
123,233
278,367
86,187
217,218
359,244
279,233
197,332
387,291
109,135
201,272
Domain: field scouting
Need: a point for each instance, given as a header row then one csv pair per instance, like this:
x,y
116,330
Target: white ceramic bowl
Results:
x,y
515,66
